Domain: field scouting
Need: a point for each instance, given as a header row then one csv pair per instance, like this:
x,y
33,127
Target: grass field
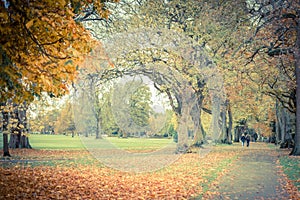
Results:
x,y
62,142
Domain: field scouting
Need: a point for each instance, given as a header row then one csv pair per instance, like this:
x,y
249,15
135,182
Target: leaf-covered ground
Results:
x,y
41,174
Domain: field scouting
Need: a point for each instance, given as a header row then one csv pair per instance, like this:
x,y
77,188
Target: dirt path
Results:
x,y
253,176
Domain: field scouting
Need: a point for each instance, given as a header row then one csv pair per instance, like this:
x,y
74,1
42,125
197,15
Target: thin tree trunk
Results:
x,y
5,133
277,124
224,126
282,126
230,122
236,134
215,119
98,127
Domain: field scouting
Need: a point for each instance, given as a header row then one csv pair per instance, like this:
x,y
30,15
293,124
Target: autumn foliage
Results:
x,y
45,174
42,44
183,179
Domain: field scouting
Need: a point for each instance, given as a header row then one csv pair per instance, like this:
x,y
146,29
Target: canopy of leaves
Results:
x,y
41,45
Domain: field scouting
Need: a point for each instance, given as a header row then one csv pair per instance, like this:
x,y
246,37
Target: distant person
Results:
x,y
248,138
243,138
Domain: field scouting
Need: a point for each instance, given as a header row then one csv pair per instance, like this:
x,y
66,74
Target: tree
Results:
x,y
156,16
65,122
108,124
131,107
43,113
277,35
37,52
140,106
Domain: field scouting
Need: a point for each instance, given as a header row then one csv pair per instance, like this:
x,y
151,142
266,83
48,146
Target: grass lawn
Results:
x,y
291,167
62,142
55,142
38,141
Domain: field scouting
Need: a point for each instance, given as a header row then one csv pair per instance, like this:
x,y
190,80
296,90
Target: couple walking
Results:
x,y
245,138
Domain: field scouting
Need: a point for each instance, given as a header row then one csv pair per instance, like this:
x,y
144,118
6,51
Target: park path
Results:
x,y
255,175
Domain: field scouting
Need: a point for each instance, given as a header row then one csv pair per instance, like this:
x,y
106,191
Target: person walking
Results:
x,y
248,138
243,138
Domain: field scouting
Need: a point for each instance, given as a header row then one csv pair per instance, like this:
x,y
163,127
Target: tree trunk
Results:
x,y
230,122
296,149
196,117
215,118
184,118
98,127
224,126
14,140
283,123
25,142
236,134
5,145
277,124
182,132
18,138
5,133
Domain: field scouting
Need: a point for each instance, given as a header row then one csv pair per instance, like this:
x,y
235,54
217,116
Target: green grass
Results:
x,y
52,142
291,167
62,142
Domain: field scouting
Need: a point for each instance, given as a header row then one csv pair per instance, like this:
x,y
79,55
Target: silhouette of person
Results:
x,y
248,139
243,138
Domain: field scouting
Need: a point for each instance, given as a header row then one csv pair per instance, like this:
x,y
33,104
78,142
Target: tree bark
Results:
x,y
196,117
224,126
277,124
282,124
18,138
188,101
5,133
230,122
296,149
215,118
98,126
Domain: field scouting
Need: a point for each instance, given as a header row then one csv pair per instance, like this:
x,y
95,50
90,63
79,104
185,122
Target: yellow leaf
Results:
x,y
29,24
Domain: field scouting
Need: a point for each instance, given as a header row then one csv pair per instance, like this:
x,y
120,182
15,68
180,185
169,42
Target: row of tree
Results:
x,y
255,45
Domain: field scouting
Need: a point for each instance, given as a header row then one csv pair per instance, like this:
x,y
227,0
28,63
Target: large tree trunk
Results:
x,y
182,132
18,138
296,149
184,117
215,119
196,117
14,140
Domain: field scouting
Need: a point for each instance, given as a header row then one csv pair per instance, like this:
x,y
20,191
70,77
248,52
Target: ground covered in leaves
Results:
x,y
44,174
